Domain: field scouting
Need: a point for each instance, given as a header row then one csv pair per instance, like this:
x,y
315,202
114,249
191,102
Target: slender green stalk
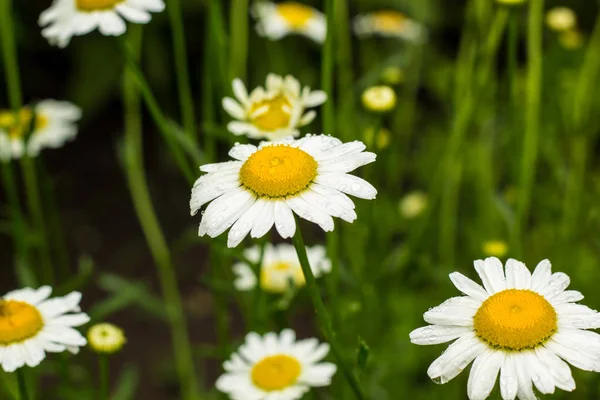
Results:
x,y
512,54
239,39
22,385
258,306
327,71
208,101
181,65
163,124
322,314
16,102
103,370
134,168
532,114
343,41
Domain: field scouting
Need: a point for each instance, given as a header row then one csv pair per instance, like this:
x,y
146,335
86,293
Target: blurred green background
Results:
x,y
457,134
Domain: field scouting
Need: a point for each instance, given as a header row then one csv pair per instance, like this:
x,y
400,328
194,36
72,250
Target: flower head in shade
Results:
x,y
276,21
561,19
389,23
379,98
380,140
276,367
68,18
32,325
572,39
413,204
495,248
272,112
280,268
393,75
48,124
106,338
524,327
265,185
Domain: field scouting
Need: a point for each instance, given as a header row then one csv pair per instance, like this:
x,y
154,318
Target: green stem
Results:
x,y
104,376
164,126
322,314
239,39
22,385
134,167
181,64
512,54
532,114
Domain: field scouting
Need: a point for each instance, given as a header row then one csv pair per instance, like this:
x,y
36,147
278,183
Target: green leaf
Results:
x,y
127,385
362,355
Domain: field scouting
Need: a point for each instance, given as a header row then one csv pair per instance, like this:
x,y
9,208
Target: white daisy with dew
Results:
x,y
48,124
272,112
389,23
276,21
280,269
67,18
31,325
276,367
519,325
265,185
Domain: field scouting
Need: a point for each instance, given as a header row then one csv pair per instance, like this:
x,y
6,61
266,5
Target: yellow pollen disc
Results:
x,y
296,14
515,320
18,321
278,277
278,171
276,116
96,5
389,21
276,372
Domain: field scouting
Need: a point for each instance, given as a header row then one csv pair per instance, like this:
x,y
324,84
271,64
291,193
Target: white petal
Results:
x,y
436,334
577,316
133,14
224,211
307,118
541,275
349,184
111,24
568,296
309,213
468,286
318,375
525,391
455,359
492,274
346,163
517,275
244,225
284,220
539,373
233,108
483,374
264,222
239,90
458,311
509,382
244,277
575,354
557,283
242,151
328,206
315,98
560,371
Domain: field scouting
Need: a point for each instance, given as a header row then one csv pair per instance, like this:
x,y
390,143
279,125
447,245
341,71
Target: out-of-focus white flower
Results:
x,y
413,204
276,21
389,23
561,19
272,112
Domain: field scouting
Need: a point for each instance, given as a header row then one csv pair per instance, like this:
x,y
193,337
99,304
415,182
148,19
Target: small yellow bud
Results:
x,y
379,98
393,75
572,39
561,19
511,2
106,338
413,204
495,248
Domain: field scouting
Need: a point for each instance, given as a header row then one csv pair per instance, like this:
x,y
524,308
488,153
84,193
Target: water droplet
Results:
x,y
355,187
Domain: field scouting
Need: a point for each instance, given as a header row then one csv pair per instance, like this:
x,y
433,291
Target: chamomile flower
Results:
x,y
272,112
389,23
68,18
379,98
276,367
49,124
280,268
105,338
265,185
561,19
523,326
32,325
276,21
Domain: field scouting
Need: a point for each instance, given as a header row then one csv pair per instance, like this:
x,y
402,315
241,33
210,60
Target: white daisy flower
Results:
x,y
280,268
266,184
389,23
520,325
53,126
68,18
31,324
275,367
273,112
276,21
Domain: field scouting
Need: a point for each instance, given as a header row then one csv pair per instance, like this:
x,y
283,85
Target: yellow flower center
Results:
x,y
96,5
295,14
18,321
276,372
19,127
275,114
278,276
515,320
278,171
389,21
